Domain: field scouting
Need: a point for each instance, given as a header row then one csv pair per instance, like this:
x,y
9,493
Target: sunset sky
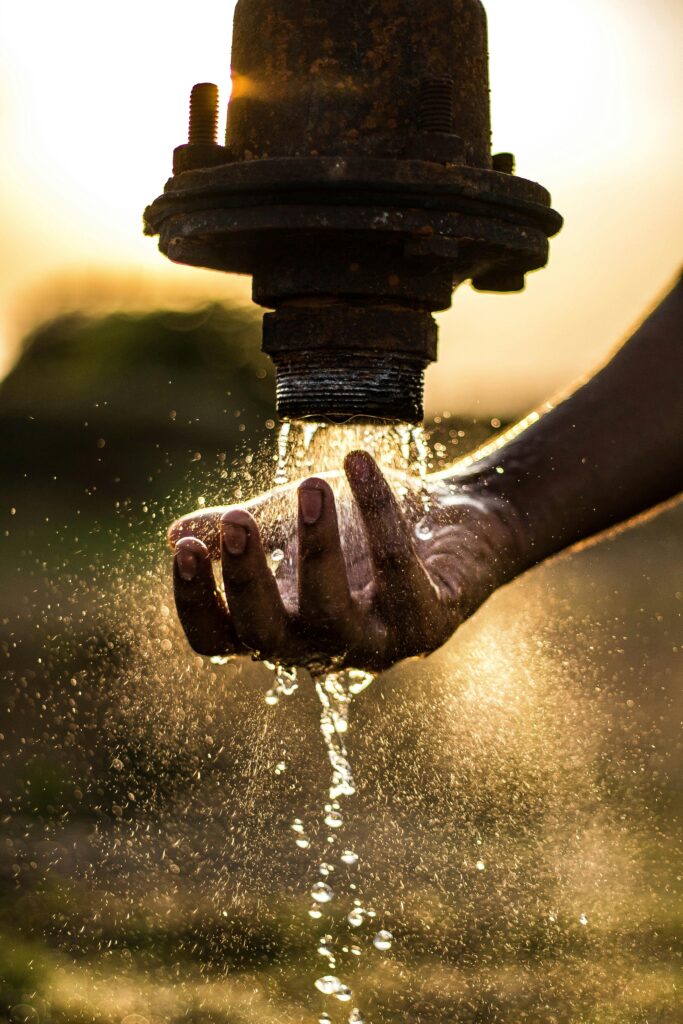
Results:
x,y
587,93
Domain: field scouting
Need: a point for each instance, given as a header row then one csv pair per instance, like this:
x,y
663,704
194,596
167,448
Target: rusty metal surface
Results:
x,y
341,385
357,186
345,77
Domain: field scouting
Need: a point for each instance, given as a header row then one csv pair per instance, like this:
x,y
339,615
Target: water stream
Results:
x,y
302,449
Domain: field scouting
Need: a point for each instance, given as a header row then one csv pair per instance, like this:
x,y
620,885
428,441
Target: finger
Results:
x,y
325,604
254,600
205,524
406,594
201,608
202,525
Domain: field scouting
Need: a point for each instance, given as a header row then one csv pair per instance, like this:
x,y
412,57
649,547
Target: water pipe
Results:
x,y
357,187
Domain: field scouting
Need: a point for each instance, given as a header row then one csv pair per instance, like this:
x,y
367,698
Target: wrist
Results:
x,y
495,531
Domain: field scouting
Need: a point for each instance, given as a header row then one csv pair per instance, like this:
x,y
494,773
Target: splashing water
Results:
x,y
322,447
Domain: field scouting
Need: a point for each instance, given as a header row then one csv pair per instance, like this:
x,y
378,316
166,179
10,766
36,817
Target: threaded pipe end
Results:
x,y
341,385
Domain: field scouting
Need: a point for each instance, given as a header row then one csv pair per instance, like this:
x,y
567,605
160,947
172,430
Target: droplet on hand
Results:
x,y
423,530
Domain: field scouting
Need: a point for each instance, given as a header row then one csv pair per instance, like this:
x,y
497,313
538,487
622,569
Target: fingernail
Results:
x,y
361,466
234,538
187,563
311,504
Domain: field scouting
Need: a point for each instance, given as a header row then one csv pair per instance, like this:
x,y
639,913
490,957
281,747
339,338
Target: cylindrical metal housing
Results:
x,y
357,187
352,77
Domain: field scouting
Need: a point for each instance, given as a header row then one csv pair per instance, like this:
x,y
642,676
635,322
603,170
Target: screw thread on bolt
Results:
x,y
436,105
203,114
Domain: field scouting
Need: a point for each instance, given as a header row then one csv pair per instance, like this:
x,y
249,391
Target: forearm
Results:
x,y
609,451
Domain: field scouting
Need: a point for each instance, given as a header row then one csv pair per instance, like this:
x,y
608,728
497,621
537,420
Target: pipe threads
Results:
x,y
341,385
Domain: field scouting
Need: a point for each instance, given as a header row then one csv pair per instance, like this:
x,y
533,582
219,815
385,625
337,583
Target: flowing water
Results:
x,y
304,449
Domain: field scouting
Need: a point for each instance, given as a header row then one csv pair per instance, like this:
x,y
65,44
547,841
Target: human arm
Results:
x,y
608,451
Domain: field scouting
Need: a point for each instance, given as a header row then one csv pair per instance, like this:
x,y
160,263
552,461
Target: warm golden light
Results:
x,y
587,94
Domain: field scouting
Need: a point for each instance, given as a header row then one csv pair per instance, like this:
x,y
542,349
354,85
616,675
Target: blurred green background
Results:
x,y
147,869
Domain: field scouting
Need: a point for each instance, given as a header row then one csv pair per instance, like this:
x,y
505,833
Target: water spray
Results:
x,y
357,187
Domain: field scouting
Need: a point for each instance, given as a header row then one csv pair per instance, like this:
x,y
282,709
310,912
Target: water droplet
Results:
x,y
117,764
480,865
322,893
343,994
277,555
325,869
423,530
329,985
356,1017
383,940
334,819
272,698
355,918
302,843
280,767
349,857
287,680
324,1018
583,919
315,912
298,826
356,950
359,680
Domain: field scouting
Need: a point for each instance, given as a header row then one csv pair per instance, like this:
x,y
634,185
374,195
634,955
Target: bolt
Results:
x,y
504,162
203,114
436,105
499,281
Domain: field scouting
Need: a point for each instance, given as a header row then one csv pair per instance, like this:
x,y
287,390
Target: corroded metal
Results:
x,y
357,187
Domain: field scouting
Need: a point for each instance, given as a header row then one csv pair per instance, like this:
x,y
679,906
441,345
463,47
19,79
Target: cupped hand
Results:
x,y
362,587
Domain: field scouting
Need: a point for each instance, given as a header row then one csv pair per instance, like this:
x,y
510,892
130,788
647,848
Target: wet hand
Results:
x,y
398,587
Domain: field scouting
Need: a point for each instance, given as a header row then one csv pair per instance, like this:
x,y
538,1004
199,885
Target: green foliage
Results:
x,y
118,406
23,970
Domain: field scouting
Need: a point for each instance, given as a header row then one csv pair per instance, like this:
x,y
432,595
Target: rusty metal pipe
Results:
x,y
357,187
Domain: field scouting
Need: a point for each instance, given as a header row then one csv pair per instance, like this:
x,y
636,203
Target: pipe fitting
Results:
x,y
357,188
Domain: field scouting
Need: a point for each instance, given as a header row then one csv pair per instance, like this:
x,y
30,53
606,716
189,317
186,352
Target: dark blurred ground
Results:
x,y
147,870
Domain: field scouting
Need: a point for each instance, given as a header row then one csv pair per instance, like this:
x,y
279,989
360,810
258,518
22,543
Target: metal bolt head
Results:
x,y
504,162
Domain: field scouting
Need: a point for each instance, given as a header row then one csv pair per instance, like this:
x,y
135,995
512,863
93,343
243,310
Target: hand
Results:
x,y
394,580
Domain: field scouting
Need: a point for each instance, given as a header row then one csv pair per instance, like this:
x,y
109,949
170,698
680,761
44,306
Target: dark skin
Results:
x,y
611,450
